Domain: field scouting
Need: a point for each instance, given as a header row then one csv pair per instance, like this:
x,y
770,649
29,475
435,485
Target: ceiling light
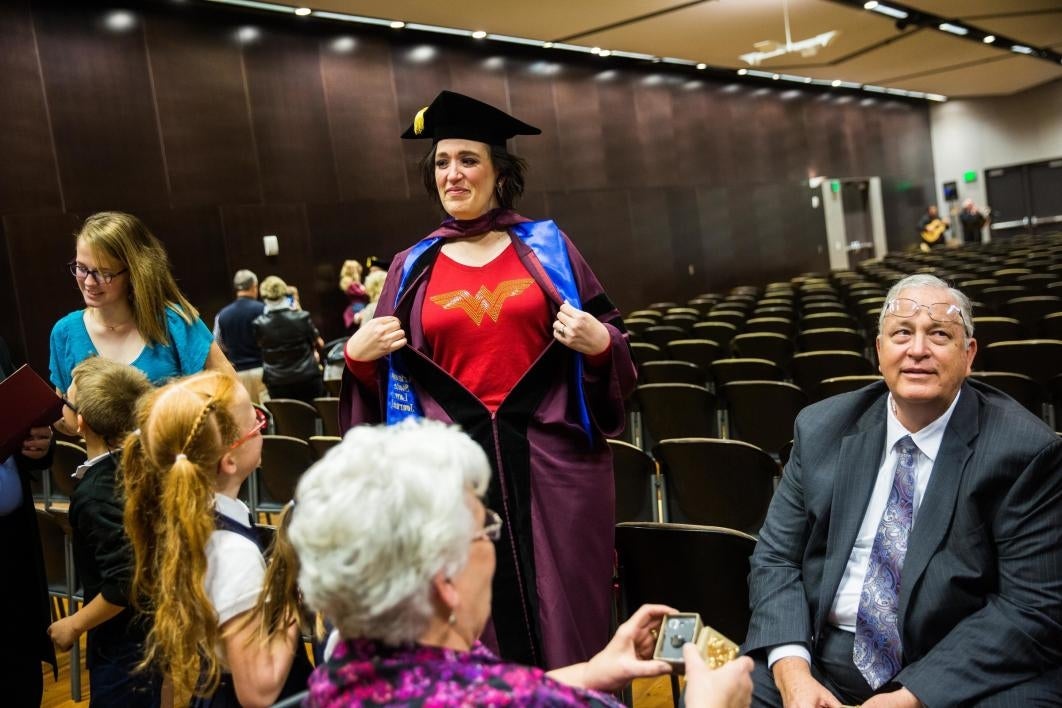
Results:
x,y
1021,49
247,34
870,5
953,29
547,45
119,21
302,11
989,38
807,79
836,83
742,72
397,24
702,66
595,50
806,48
479,34
886,10
604,53
936,97
775,76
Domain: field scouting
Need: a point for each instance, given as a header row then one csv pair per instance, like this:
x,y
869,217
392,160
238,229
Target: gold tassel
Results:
x,y
418,121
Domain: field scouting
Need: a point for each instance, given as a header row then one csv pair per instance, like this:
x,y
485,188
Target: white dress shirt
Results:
x,y
846,602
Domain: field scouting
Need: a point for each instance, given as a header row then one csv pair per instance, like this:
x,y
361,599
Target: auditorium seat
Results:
x,y
296,419
809,368
328,410
634,474
824,320
677,411
1030,310
716,482
770,324
763,412
726,370
1051,325
842,384
777,348
658,372
284,460
1018,386
643,353
65,461
717,331
1039,359
660,335
321,444
701,352
637,325
826,338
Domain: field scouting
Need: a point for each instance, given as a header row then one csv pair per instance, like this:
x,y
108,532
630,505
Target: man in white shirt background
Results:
x,y
912,554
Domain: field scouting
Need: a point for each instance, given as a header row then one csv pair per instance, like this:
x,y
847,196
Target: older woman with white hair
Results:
x,y
396,549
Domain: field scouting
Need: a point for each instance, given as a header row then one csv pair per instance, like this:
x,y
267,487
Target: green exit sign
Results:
x,y
969,176
835,186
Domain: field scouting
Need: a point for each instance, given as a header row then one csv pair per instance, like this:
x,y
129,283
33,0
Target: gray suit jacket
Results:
x,y
981,595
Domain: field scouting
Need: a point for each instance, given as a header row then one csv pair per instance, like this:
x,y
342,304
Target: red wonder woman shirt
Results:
x,y
485,325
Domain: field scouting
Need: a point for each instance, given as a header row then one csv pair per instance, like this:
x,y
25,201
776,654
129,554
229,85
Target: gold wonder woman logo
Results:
x,y
484,302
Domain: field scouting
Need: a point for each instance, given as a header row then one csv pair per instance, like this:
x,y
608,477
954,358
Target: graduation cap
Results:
x,y
452,115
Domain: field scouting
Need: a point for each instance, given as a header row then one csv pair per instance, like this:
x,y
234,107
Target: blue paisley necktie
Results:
x,y
877,648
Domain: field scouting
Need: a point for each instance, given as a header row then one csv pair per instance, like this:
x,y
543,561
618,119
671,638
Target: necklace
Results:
x,y
111,328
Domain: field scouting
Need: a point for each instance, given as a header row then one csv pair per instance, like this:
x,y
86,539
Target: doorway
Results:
x,y
855,220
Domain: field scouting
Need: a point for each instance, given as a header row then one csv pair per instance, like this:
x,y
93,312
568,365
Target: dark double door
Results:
x,y
1025,198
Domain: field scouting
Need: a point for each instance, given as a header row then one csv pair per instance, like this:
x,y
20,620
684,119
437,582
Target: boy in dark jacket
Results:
x,y
102,403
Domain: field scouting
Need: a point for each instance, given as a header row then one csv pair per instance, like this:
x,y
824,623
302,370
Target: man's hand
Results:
x,y
36,445
798,687
894,699
64,633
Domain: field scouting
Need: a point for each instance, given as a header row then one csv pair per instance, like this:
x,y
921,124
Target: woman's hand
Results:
x,y
729,686
580,331
376,338
630,653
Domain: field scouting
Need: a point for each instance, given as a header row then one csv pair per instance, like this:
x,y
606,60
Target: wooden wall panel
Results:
x,y
531,98
579,129
203,111
195,244
290,121
40,245
598,222
654,121
29,179
364,119
103,115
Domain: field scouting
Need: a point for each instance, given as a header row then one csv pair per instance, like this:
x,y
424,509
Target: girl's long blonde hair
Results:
x,y
170,467
124,238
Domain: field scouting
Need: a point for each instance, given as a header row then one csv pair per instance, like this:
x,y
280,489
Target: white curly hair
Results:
x,y
378,517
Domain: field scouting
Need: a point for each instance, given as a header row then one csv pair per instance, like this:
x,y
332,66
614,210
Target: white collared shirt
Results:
x,y
82,469
846,602
235,567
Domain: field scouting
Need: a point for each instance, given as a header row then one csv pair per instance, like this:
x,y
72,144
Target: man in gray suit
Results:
x,y
912,554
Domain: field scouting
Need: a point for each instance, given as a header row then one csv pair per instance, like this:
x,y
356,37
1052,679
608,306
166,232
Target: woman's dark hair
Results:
x,y
509,167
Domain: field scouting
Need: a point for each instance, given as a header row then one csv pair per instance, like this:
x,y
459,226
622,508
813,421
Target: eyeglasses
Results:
x,y
68,404
100,276
261,421
492,526
938,311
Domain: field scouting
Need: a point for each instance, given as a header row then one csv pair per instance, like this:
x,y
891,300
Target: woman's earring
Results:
x,y
453,619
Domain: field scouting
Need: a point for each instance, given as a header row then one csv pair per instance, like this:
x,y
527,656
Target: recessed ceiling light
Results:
x,y
397,24
302,11
605,53
953,29
775,76
547,45
1021,49
870,5
836,83
989,38
595,50
807,79
479,34
742,72
702,66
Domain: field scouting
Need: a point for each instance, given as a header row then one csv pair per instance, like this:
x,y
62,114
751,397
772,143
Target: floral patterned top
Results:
x,y
367,673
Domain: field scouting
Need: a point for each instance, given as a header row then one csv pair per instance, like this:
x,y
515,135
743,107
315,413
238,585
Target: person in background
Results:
x,y
931,229
409,605
134,312
497,323
101,406
351,285
234,332
374,283
25,591
289,342
199,560
972,221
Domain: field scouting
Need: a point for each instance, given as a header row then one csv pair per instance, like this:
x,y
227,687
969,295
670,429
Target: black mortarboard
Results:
x,y
452,115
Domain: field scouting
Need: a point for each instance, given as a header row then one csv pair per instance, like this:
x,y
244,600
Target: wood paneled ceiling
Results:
x,y
869,49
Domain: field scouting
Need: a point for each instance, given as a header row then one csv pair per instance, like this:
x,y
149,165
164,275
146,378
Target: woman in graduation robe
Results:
x,y
495,322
